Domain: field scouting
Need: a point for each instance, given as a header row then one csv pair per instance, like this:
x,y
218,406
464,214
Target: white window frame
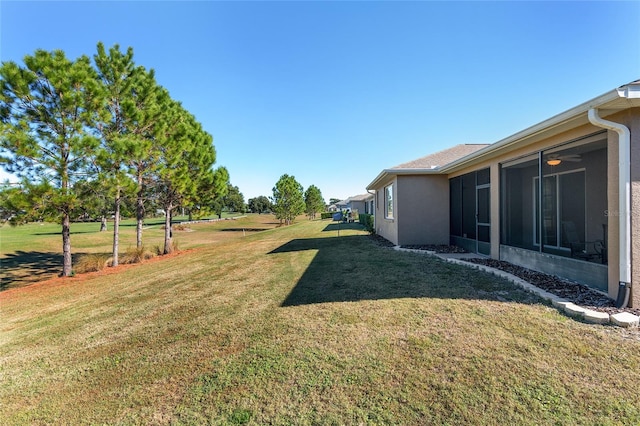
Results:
x,y
388,201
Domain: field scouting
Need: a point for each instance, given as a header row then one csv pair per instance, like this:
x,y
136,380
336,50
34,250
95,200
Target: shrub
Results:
x,y
159,250
92,262
326,215
367,221
136,255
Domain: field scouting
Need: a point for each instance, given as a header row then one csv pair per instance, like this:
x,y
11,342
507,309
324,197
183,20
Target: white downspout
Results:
x,y
624,193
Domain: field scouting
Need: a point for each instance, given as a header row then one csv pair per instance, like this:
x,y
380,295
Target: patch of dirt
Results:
x,y
577,293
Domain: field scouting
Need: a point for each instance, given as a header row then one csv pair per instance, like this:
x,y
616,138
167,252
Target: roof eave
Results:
x,y
547,126
386,173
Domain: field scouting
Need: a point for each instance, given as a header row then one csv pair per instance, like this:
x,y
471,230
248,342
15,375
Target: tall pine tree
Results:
x,y
48,110
132,111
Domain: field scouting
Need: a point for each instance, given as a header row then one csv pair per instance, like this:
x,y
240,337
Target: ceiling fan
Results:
x,y
556,159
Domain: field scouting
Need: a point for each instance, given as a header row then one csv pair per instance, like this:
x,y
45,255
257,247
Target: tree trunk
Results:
x,y
116,228
139,213
66,246
167,231
103,224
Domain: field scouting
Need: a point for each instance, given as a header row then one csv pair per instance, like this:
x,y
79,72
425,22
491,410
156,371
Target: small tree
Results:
x,y
212,188
313,201
260,204
288,199
234,200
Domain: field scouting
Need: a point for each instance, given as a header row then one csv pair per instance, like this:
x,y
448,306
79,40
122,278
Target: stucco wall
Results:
x,y
613,251
633,122
386,228
423,209
631,119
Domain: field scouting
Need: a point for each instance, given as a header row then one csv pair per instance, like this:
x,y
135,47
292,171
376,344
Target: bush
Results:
x,y
327,215
159,250
92,262
136,255
367,221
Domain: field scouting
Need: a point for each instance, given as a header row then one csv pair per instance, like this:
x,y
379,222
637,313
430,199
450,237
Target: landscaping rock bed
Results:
x,y
436,248
577,293
381,241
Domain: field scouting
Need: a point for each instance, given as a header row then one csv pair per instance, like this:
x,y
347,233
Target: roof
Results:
x,y
432,163
616,100
361,197
442,158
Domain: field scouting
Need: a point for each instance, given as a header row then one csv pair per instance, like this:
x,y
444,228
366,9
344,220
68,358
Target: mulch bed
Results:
x,y
381,241
579,294
441,248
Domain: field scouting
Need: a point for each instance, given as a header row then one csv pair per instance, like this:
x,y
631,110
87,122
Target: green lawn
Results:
x,y
298,325
33,252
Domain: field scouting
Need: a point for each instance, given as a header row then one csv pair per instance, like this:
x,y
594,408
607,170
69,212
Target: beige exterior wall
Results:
x,y
612,221
385,227
420,210
423,209
634,125
632,120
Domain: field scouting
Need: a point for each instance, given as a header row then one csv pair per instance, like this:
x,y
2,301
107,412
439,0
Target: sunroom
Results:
x,y
553,210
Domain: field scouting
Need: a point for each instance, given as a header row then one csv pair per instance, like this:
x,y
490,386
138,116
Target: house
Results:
x,y
363,203
561,197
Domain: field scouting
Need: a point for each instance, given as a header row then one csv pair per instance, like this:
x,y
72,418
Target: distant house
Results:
x,y
561,197
363,203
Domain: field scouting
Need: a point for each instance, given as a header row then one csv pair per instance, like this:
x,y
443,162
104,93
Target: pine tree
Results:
x,y
186,161
127,126
288,200
313,201
48,110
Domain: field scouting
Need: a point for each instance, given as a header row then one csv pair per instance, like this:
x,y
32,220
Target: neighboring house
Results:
x,y
561,197
363,203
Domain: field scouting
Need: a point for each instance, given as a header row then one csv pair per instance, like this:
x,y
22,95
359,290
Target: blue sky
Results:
x,y
334,92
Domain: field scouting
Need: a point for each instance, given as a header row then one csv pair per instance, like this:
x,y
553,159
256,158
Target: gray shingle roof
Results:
x,y
442,158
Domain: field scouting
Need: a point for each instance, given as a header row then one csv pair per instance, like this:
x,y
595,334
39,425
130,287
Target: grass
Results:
x,y
299,326
33,252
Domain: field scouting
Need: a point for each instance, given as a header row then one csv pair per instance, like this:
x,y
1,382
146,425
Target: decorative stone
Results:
x,y
560,303
574,310
625,319
595,317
